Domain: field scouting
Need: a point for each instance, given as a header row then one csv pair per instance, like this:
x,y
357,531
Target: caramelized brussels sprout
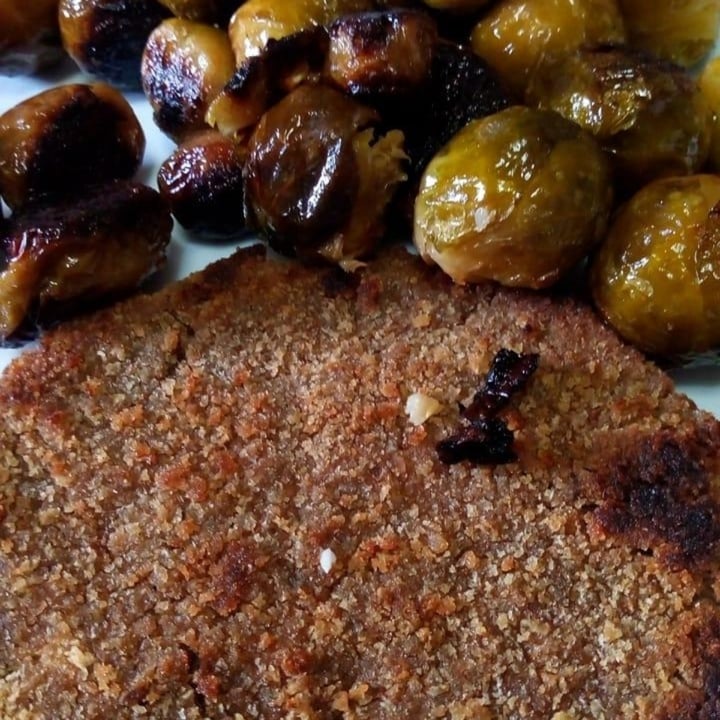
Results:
x,y
656,279
106,37
457,5
29,35
203,183
683,32
387,52
257,21
215,12
710,88
647,113
516,35
67,138
317,181
184,66
98,244
518,197
262,80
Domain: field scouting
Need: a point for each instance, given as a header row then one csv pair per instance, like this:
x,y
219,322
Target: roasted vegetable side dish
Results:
x,y
709,83
106,37
29,35
96,245
214,12
656,279
648,114
318,178
67,138
518,197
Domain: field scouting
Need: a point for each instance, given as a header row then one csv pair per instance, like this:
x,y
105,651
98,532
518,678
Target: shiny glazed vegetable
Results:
x,y
215,12
184,66
518,197
318,181
257,21
683,31
648,114
516,35
65,139
203,183
95,245
709,83
106,37
29,35
656,278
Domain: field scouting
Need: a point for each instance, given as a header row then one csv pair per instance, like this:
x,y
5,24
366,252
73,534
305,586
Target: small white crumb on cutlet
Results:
x,y
327,560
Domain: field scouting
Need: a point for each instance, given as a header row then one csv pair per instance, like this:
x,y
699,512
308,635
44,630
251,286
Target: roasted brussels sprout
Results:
x,y
683,32
648,114
29,35
317,181
518,197
98,244
67,138
386,52
457,5
516,35
656,279
203,183
262,80
710,88
184,66
257,21
106,37
215,12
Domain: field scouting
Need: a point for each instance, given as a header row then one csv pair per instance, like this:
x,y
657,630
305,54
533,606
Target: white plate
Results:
x,y
186,256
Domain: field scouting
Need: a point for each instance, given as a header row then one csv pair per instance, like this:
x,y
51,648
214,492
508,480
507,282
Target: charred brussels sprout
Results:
x,y
215,12
106,37
518,197
516,35
96,245
65,139
203,183
318,181
264,79
184,66
257,21
683,32
656,278
381,52
29,35
648,114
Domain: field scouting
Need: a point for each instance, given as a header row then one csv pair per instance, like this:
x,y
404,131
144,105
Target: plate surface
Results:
x,y
186,256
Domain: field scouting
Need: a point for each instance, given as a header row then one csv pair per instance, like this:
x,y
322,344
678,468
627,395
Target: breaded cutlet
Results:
x,y
213,504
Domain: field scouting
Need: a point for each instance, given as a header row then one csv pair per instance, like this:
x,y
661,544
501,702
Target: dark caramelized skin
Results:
x,y
106,37
29,37
381,52
317,182
203,182
184,66
67,138
96,245
264,79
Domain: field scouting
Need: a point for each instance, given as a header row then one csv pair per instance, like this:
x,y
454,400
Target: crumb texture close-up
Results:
x,y
214,504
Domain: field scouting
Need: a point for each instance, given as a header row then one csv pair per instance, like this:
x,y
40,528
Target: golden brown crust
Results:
x,y
172,470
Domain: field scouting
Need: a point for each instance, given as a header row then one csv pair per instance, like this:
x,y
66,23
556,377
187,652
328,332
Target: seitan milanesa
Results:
x,y
215,504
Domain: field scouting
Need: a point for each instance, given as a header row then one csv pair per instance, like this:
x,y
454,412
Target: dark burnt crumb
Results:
x,y
509,373
485,439
489,442
660,494
337,282
231,575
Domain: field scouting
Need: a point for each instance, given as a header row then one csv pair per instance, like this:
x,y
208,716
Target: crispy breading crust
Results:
x,y
171,471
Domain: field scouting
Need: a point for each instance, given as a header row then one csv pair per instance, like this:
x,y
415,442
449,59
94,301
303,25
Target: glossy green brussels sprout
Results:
x,y
683,32
516,35
518,197
648,114
318,179
656,278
